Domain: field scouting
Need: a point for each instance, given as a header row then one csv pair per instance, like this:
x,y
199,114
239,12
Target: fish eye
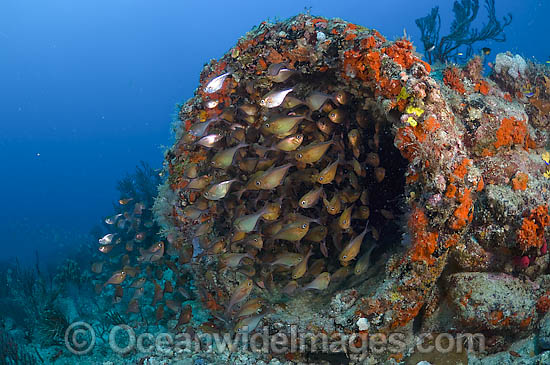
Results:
x,y
345,257
266,125
321,178
332,209
122,273
258,182
303,202
344,221
304,226
206,193
249,283
299,156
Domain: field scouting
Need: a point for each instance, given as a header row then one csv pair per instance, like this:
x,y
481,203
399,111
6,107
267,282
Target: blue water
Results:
x,y
89,88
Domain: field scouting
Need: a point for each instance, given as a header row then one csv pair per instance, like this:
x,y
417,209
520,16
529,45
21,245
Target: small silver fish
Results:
x,y
274,98
113,219
278,72
199,128
215,84
107,239
210,140
211,104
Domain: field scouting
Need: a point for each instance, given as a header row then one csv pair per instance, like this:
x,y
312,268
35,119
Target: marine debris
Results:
x,y
321,177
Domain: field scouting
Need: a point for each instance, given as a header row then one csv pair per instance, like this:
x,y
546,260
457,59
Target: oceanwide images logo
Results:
x,y
80,339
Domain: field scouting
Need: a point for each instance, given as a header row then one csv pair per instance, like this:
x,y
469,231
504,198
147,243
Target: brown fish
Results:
x,y
379,174
344,221
191,171
240,294
291,102
278,72
192,212
185,316
312,152
131,271
299,270
158,294
326,176
290,143
340,274
199,183
292,232
251,185
125,201
218,191
316,267
372,159
273,210
153,253
272,177
254,240
159,312
357,168
337,116
316,100
253,306
138,283
129,246
334,205
116,278
325,126
311,198
248,223
233,259
362,264
316,234
288,259
319,283
342,97
290,287
133,306
248,164
282,124
223,159
249,324
249,109
138,293
350,251
119,293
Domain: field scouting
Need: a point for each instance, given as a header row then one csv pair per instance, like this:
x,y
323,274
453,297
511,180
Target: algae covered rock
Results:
x,y
492,301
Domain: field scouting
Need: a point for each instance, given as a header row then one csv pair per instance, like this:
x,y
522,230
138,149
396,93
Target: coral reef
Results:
x,y
458,44
447,173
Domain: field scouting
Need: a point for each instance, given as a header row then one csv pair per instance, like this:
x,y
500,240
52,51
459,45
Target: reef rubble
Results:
x,y
448,169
